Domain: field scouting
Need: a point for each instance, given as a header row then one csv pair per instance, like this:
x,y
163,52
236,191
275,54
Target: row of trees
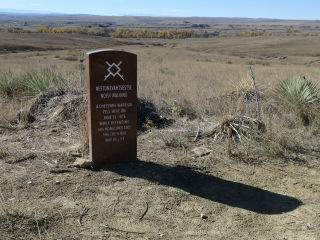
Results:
x,y
289,32
179,33
79,30
14,30
145,33
83,30
252,33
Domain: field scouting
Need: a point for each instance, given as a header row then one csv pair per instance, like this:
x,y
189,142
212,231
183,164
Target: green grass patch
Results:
x,y
35,82
8,84
30,83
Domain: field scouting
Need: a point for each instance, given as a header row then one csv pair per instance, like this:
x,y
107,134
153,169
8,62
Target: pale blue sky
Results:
x,y
284,9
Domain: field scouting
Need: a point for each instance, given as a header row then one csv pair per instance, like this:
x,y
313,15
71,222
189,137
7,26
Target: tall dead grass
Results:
x,y
9,109
177,77
182,80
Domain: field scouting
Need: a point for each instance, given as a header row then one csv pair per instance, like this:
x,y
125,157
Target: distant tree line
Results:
x,y
43,29
80,30
146,33
15,30
288,32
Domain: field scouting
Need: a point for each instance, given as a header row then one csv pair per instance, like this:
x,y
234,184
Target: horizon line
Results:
x,y
44,12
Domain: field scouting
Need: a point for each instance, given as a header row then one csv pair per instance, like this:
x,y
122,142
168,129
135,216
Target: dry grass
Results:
x,y
184,76
187,72
9,109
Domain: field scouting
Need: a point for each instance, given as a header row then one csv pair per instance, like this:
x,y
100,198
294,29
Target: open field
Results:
x,y
210,67
268,189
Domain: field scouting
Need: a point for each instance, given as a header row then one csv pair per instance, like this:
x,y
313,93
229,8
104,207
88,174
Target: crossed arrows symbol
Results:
x,y
111,73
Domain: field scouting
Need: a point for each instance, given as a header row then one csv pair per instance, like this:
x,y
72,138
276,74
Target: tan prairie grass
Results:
x,y
9,109
69,76
178,77
187,80
65,61
186,72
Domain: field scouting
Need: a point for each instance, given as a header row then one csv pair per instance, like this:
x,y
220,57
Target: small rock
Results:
x,y
83,163
203,216
201,151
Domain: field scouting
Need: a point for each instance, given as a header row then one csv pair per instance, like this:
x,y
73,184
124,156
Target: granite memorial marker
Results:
x,y
112,100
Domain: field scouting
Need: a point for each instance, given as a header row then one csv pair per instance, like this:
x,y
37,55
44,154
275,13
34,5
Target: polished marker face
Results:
x,y
112,99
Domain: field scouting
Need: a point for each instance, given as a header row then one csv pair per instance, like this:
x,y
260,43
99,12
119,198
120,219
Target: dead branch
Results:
x,y
239,125
234,129
197,135
27,157
229,141
256,93
145,211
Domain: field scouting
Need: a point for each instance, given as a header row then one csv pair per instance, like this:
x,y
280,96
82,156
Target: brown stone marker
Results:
x,y
112,99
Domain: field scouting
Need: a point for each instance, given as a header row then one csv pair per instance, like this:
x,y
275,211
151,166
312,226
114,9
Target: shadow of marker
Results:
x,y
212,188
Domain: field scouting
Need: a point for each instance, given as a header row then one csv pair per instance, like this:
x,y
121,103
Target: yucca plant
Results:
x,y
7,84
298,94
35,82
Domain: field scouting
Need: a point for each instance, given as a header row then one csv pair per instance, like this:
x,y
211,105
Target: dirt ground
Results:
x,y
168,193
